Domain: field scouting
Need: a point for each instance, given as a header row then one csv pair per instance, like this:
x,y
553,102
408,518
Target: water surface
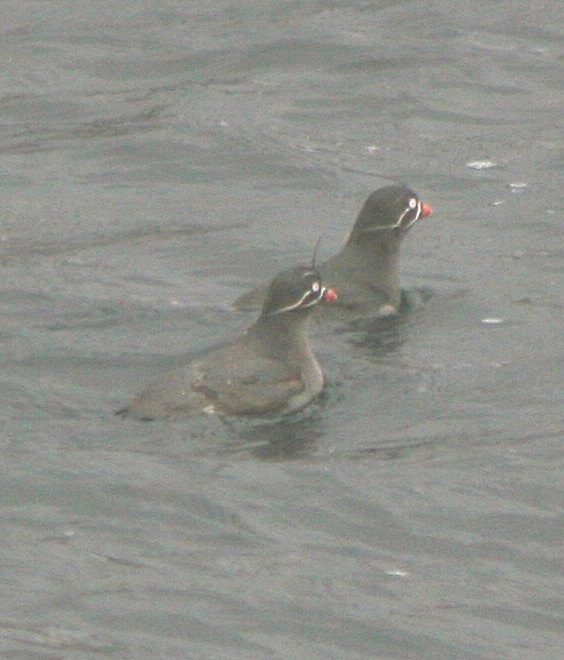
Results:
x,y
158,160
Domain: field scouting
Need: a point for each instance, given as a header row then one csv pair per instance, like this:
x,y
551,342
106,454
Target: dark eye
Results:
x,y
315,287
412,203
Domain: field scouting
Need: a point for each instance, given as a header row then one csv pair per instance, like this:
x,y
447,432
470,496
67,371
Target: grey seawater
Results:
x,y
157,159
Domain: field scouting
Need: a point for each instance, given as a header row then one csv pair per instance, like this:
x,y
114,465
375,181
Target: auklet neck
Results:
x,y
283,336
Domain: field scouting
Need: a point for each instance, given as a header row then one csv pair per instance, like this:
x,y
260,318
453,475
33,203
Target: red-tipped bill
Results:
x,y
330,295
426,209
